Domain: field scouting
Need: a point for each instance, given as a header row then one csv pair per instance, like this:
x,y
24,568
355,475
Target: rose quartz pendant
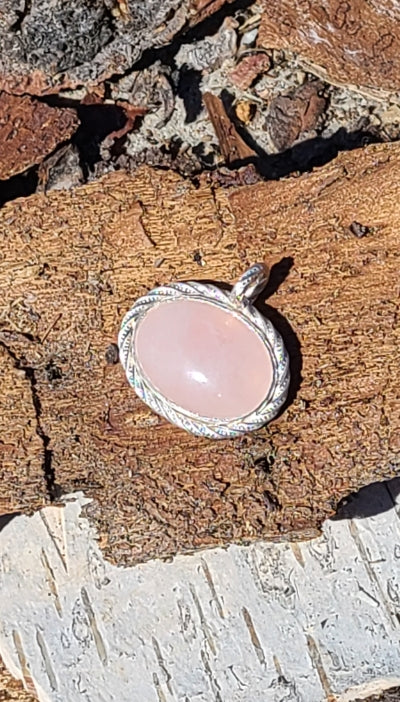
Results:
x,y
206,359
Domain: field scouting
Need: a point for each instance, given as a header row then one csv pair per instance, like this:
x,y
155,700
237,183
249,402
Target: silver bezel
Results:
x,y
241,308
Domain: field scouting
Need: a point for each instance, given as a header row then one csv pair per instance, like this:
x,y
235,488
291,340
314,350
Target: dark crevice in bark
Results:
x,y
302,157
97,121
368,501
20,185
21,14
47,465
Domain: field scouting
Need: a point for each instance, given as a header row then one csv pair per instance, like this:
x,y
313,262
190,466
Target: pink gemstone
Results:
x,y
203,358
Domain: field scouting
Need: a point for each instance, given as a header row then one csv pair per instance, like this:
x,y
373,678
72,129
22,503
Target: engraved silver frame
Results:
x,y
236,302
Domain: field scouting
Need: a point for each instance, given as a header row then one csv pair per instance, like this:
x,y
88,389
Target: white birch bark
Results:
x,y
304,622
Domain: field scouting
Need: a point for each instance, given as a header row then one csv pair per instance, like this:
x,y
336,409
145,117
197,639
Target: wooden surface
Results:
x,y
21,448
310,622
29,131
351,43
73,262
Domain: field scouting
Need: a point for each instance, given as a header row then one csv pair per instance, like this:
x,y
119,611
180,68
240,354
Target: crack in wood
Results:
x,y
296,550
203,621
213,682
158,688
23,663
161,663
47,467
53,539
371,574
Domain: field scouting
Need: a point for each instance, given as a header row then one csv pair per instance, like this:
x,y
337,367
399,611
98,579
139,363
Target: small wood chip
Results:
x,y
29,131
249,68
234,149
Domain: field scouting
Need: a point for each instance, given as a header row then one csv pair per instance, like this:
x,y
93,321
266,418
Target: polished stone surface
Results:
x,y
203,358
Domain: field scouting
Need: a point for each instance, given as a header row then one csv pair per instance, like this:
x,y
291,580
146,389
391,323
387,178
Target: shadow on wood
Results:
x,y
369,501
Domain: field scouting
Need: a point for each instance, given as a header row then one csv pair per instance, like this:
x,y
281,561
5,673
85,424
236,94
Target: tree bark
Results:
x,y
316,621
73,263
30,131
12,690
346,43
99,40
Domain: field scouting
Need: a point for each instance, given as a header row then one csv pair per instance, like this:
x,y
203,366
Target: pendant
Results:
x,y
206,359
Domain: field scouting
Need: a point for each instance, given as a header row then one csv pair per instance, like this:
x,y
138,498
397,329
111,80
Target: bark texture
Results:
x,y
353,42
29,131
12,690
21,448
290,622
52,45
72,264
392,695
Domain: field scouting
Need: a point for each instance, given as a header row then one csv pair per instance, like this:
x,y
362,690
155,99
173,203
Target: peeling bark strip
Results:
x,y
334,297
352,42
97,39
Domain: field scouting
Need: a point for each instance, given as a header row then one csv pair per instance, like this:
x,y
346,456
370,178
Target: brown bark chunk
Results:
x,y
341,300
248,69
291,115
344,41
233,148
157,490
29,131
391,695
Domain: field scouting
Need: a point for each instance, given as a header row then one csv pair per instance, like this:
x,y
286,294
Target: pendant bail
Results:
x,y
250,284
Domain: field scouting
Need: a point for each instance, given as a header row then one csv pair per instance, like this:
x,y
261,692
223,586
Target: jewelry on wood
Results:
x,y
205,359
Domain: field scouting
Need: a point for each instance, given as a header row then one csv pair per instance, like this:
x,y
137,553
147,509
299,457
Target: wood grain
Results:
x,y
21,447
11,689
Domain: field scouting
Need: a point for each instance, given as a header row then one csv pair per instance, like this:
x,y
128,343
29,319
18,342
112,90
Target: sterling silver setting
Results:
x,y
237,302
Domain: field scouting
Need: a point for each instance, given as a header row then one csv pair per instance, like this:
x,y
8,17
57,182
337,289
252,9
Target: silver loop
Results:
x,y
250,284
